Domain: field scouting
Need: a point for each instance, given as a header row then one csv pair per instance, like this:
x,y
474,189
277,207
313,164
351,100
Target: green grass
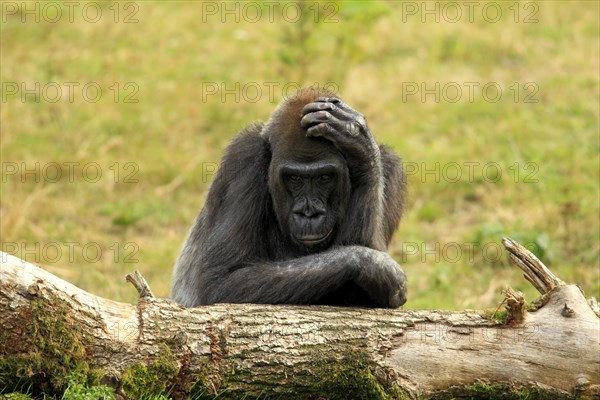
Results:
x,y
77,389
171,137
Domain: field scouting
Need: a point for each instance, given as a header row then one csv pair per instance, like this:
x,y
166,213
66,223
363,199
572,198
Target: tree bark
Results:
x,y
51,328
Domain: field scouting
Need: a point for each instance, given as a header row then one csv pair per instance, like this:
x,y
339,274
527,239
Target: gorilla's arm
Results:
x,y
308,279
376,173
393,193
226,259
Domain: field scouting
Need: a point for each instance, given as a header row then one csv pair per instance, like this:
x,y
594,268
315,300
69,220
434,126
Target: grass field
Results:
x,y
95,185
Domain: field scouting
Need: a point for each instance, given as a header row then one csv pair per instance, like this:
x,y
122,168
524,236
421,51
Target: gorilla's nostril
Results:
x,y
308,214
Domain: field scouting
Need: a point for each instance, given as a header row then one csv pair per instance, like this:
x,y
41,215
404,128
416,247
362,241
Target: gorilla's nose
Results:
x,y
309,208
308,212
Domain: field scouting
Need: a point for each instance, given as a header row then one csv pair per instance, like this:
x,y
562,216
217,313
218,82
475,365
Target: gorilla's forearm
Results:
x,y
308,279
367,200
301,280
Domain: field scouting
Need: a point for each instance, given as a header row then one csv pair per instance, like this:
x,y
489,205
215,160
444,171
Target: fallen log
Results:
x,y
51,329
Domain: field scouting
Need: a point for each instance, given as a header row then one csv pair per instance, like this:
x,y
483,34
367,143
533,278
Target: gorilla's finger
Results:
x,y
333,100
344,109
335,125
343,114
323,129
350,121
312,107
316,117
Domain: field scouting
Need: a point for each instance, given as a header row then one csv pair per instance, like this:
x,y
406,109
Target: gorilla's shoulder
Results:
x,y
249,142
248,152
254,128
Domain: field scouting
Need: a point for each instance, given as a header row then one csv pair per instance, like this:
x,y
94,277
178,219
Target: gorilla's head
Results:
x,y
309,181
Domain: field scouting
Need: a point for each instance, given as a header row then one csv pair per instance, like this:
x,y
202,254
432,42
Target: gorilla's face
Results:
x,y
310,189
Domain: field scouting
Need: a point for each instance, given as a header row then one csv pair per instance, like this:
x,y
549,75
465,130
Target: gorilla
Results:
x,y
301,211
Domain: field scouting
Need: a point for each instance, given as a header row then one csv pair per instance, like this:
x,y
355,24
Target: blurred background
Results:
x,y
115,115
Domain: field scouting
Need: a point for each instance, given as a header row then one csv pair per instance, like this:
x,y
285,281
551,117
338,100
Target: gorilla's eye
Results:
x,y
325,178
294,178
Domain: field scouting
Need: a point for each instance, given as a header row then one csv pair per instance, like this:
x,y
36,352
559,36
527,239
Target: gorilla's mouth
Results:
x,y
311,240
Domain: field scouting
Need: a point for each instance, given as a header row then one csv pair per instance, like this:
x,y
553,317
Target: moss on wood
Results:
x,y
58,350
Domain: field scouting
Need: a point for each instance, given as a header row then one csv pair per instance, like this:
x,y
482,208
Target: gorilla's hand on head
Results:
x,y
334,120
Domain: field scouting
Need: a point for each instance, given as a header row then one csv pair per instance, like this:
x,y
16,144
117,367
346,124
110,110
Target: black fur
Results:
x,y
300,212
